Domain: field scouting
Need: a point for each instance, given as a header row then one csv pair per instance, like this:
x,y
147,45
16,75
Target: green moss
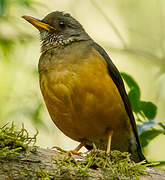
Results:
x,y
42,174
12,140
117,165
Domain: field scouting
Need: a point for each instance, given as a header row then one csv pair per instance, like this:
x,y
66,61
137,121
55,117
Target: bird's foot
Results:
x,y
95,149
71,152
59,149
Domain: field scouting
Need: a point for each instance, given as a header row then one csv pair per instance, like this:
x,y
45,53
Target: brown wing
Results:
x,y
115,75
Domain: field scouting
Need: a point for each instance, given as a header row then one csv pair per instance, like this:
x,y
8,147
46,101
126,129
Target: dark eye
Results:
x,y
62,24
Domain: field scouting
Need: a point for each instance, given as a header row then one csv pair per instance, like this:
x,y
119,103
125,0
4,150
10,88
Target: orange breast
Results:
x,y
84,102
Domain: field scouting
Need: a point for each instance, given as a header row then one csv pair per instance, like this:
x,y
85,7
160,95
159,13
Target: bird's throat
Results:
x,y
52,40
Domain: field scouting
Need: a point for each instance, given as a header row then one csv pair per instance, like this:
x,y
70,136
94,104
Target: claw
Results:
x,y
59,149
72,152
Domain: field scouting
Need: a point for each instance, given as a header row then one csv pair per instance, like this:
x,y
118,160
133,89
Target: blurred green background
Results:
x,y
131,31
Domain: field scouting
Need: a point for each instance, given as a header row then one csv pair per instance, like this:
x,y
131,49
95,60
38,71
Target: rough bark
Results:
x,y
39,165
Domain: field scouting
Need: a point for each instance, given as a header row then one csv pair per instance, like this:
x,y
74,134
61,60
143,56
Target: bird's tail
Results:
x,y
138,156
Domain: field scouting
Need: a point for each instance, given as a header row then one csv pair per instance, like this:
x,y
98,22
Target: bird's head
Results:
x,y
58,29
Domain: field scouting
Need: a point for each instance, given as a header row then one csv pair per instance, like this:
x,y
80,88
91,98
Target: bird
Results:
x,y
83,90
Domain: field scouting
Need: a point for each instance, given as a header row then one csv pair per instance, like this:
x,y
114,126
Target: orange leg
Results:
x,y
79,147
110,133
75,151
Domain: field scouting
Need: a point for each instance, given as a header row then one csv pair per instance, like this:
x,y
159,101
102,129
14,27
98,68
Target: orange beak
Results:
x,y
38,23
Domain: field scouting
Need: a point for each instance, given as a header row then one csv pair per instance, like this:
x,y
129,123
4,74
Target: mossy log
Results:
x,y
39,163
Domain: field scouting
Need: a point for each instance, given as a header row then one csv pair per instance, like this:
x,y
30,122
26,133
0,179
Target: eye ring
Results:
x,y
62,24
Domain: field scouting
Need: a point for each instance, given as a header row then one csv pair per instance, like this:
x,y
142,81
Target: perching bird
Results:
x,y
83,90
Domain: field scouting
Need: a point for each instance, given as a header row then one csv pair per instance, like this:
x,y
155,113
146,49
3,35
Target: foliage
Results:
x,y
7,43
14,141
13,66
145,111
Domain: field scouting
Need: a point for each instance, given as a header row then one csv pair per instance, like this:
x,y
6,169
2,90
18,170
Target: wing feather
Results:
x,y
115,75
